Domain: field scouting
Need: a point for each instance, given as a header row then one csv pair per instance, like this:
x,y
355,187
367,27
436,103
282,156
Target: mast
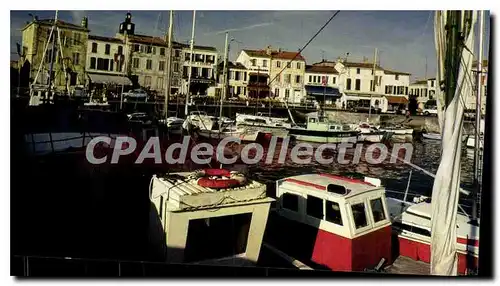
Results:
x,y
52,52
477,144
190,63
225,81
374,82
124,67
169,64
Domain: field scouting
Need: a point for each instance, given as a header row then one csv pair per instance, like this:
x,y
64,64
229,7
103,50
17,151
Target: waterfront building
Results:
x,y
275,73
322,84
385,91
420,91
203,69
105,62
146,65
68,69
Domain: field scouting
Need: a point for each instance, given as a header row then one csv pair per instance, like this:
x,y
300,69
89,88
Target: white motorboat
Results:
x,y
369,133
273,125
432,136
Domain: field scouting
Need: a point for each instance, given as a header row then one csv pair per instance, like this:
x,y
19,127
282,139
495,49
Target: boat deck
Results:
x,y
406,266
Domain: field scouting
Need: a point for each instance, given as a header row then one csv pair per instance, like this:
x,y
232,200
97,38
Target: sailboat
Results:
x,y
438,225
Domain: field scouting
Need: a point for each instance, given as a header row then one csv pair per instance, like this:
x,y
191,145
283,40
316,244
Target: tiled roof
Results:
x,y
348,64
395,72
105,39
232,65
195,47
62,24
321,69
147,40
284,55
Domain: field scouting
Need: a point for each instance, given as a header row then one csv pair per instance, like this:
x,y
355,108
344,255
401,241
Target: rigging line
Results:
x,y
305,46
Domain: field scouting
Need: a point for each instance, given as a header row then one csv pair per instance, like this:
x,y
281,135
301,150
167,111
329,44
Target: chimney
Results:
x,y
85,22
268,50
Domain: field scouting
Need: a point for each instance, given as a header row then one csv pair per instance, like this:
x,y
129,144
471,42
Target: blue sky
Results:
x,y
404,38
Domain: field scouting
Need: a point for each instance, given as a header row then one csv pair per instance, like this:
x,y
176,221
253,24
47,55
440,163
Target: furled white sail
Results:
x,y
440,40
447,181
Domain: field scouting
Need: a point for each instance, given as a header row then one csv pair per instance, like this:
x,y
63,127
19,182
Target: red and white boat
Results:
x,y
333,222
352,226
412,225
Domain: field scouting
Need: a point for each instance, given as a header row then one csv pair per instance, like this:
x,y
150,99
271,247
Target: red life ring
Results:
x,y
218,183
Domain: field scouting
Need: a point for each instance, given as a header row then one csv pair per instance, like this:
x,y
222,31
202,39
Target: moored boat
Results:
x,y
320,130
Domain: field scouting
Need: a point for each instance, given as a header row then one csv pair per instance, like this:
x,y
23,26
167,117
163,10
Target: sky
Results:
x,y
404,39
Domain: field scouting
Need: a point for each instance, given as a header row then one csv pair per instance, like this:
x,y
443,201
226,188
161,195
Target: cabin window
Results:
x,y
377,210
290,201
358,212
332,127
312,120
314,207
333,213
413,229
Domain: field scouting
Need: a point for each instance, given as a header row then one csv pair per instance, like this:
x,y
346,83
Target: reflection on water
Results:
x,y
394,176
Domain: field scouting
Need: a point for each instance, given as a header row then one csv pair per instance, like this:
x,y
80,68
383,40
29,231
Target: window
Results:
x,y
161,65
187,56
177,53
159,83
120,50
92,63
176,67
334,81
410,228
358,71
185,71
94,47
264,63
425,91
358,212
397,77
276,92
135,63
287,78
76,39
348,84
149,49
406,90
147,81
290,201
149,64
298,66
103,64
278,64
76,58
358,84
162,51
297,79
310,78
111,65
237,75
253,62
314,207
418,92
432,83
377,210
244,76
326,79
288,65
244,91
287,93
372,88
333,213
107,49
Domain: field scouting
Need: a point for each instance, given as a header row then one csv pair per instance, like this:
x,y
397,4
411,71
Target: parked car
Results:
x,y
136,94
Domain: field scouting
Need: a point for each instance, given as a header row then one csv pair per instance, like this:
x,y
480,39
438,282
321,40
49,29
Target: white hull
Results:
x,y
399,131
432,136
277,132
321,139
370,138
243,135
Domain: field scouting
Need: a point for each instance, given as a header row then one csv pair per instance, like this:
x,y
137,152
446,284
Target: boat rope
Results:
x,y
305,46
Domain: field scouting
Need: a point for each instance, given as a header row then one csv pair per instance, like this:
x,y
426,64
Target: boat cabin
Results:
x,y
349,217
321,123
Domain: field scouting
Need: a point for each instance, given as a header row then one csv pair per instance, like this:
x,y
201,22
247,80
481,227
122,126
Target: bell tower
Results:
x,y
127,26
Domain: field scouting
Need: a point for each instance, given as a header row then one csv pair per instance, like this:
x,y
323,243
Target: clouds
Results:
x,y
404,38
250,27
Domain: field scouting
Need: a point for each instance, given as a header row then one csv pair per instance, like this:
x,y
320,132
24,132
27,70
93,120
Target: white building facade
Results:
x,y
322,84
203,69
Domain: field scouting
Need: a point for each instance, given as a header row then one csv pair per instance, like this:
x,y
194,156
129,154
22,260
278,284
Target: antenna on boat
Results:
x,y
406,191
